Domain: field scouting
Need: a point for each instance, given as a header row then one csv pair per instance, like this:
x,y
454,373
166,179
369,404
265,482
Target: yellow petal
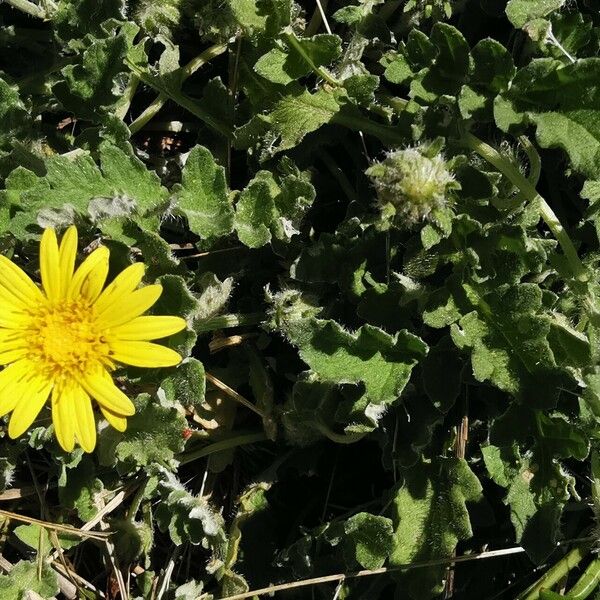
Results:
x,y
10,381
63,416
10,319
130,306
49,265
17,284
83,416
33,394
143,354
117,421
12,355
149,328
90,276
100,386
8,299
66,258
122,285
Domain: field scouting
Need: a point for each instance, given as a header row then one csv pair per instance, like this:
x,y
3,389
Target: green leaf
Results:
x,y
369,539
431,517
23,578
30,535
13,114
292,118
297,60
508,339
192,590
132,540
521,11
120,186
186,385
538,485
381,362
80,489
562,102
202,196
267,208
493,65
153,435
88,88
214,296
441,371
255,212
74,19
187,517
536,495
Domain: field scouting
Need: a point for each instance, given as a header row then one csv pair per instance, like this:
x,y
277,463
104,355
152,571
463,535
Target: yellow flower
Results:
x,y
62,341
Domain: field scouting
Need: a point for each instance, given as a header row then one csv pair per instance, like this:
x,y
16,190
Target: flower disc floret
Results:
x,y
61,342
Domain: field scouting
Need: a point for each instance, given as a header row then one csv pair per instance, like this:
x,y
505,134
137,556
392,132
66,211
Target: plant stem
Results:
x,y
178,97
338,438
137,501
293,42
28,7
556,573
339,175
357,122
232,442
530,193
535,164
226,321
587,583
186,71
125,101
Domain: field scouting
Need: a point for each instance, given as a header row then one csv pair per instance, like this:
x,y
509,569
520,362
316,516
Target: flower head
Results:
x,y
62,341
413,183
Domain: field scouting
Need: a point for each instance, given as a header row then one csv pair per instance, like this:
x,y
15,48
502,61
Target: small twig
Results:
x,y
367,573
168,572
233,394
96,535
221,342
209,252
315,20
323,15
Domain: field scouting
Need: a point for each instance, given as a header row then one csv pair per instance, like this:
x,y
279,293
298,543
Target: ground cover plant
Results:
x,y
363,357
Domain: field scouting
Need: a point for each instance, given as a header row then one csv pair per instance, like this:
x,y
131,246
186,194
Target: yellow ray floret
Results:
x,y
61,341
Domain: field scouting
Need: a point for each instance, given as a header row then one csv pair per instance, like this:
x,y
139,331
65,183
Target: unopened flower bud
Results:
x,y
412,183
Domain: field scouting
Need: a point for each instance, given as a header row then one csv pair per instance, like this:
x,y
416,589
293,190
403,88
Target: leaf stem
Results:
x,y
535,164
191,105
227,321
530,193
339,175
293,42
137,500
226,444
186,71
338,438
556,572
357,122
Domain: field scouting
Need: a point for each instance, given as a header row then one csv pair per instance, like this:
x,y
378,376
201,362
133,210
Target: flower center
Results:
x,y
65,340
